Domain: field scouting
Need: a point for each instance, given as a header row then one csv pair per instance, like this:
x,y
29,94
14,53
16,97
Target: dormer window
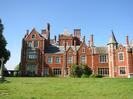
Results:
x,y
33,36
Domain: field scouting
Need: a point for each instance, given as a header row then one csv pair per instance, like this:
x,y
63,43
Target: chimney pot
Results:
x,y
91,40
27,31
127,41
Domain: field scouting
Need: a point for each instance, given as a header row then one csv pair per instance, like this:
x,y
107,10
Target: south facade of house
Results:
x,y
42,56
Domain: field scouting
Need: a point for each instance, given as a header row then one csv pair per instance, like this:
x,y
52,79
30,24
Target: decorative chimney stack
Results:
x,y
48,27
27,31
55,39
127,41
91,40
75,44
48,30
65,45
84,39
89,43
77,33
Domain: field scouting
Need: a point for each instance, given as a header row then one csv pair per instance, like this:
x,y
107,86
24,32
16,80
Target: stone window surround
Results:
x,y
105,58
119,56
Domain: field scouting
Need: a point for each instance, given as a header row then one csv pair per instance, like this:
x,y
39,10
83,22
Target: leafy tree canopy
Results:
x,y
80,70
16,67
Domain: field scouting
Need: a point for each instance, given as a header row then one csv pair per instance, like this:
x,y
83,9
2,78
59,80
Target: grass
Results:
x,y
66,88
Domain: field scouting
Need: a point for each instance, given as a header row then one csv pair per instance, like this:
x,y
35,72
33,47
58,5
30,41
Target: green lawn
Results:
x,y
66,88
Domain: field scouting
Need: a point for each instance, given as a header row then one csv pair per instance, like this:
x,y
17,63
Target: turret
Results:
x,y
113,41
112,45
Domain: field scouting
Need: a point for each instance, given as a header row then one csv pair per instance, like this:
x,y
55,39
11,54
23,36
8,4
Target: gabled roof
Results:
x,y
112,39
83,43
73,48
34,31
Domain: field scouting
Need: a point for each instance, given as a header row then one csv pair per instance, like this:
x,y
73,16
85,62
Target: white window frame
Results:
x,y
70,59
46,71
32,54
57,58
37,44
50,59
121,69
32,68
29,43
103,58
119,56
103,71
57,71
81,59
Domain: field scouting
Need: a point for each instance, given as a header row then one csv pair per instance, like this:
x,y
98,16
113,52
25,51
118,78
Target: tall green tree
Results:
x,y
16,67
3,51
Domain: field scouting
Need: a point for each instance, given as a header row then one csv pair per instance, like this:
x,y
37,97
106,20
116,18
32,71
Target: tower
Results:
x,y
112,46
129,58
91,44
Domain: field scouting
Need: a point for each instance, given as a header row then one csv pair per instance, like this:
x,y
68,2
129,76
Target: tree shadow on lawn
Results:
x,y
4,81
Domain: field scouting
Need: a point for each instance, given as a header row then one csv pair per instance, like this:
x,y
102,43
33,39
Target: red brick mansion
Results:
x,y
43,56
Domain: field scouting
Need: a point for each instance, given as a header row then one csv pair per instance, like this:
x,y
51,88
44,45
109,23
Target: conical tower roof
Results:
x,y
112,39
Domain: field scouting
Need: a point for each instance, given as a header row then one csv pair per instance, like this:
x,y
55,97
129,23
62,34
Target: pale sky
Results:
x,y
97,17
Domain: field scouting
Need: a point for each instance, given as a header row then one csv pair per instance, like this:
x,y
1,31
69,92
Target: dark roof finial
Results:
x,y
112,39
0,21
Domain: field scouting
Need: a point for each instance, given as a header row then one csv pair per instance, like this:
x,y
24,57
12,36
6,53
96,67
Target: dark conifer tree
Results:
x,y
3,51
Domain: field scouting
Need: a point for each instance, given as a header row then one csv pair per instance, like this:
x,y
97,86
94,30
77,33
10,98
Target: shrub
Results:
x,y
84,76
95,76
76,71
86,70
80,70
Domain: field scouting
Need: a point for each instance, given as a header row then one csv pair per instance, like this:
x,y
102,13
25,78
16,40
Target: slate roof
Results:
x,y
101,50
54,49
